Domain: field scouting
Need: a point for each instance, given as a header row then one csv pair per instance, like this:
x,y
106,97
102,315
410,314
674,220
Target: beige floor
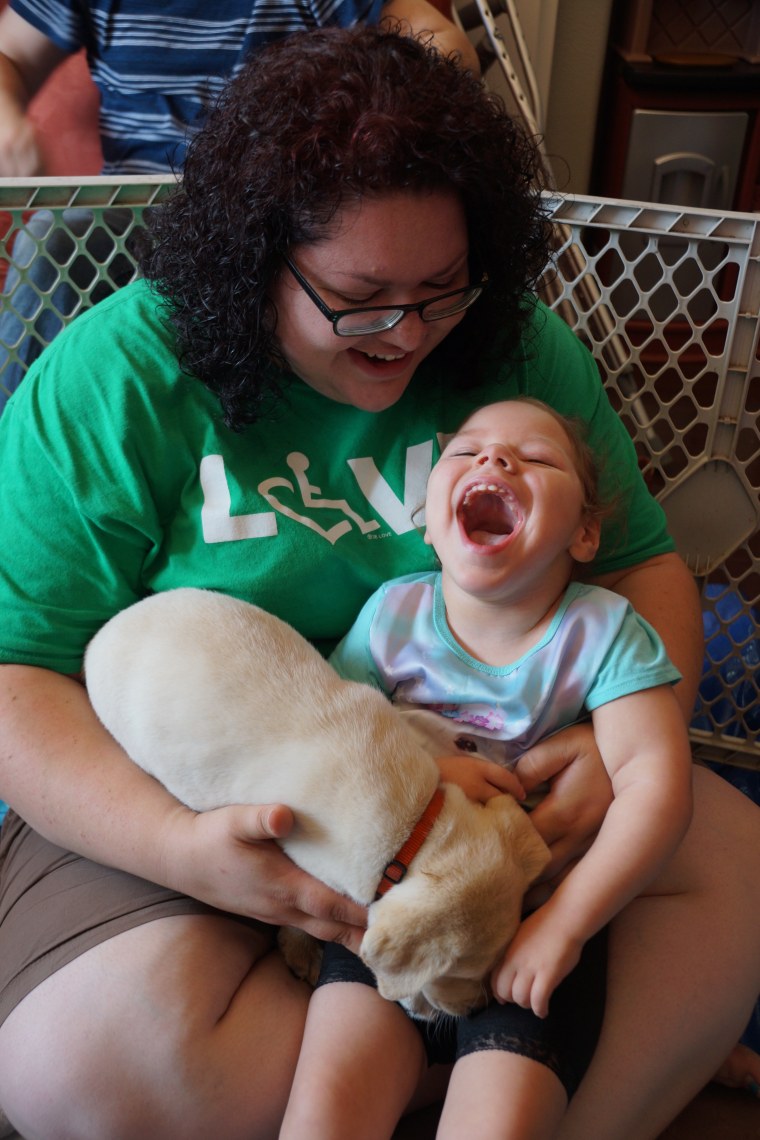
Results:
x,y
716,1114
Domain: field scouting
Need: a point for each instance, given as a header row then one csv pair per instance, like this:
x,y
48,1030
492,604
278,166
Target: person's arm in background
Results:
x,y
434,17
27,58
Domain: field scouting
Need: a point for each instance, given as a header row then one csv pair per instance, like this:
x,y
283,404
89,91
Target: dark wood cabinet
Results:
x,y
679,117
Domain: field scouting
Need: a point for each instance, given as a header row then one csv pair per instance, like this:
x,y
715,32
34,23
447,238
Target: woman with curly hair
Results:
x,y
345,272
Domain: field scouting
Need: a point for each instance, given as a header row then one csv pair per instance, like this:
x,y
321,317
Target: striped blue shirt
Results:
x,y
159,65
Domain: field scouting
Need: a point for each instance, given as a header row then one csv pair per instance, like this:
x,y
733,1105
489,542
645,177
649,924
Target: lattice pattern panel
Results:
x,y
62,249
668,302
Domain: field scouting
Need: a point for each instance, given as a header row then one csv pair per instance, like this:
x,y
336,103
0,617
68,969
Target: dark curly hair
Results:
x,y
312,122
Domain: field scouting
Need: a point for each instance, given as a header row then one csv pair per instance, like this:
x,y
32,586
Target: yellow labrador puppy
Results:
x,y
224,704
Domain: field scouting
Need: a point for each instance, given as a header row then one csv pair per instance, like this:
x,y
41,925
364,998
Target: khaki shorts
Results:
x,y
54,906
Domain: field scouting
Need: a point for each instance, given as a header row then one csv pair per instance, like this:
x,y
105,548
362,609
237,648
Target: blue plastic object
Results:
x,y
729,697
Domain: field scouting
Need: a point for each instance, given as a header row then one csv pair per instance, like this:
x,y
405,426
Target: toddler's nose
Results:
x,y
496,456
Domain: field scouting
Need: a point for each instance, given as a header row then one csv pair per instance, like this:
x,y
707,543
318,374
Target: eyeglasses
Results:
x,y
380,318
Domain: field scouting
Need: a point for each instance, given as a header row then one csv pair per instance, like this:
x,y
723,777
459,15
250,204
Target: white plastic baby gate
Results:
x,y
666,298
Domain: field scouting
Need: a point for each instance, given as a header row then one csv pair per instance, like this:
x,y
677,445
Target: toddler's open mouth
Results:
x,y
489,514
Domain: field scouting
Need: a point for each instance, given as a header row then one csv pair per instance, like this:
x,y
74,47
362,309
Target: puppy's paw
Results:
x,y
302,953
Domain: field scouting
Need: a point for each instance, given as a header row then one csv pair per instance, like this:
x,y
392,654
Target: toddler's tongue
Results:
x,y
487,517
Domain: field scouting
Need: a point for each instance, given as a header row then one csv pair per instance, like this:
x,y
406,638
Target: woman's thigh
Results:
x,y
55,905
188,1025
721,848
131,1010
683,975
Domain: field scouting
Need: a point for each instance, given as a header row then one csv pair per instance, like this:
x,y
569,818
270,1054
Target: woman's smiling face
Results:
x,y
396,249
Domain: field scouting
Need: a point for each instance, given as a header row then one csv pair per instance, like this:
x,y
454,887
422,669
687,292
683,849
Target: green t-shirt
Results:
x,y
119,479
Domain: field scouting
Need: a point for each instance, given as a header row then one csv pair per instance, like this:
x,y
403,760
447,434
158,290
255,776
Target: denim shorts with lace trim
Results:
x,y
564,1041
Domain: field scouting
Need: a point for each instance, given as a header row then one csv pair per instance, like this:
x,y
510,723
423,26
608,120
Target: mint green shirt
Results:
x,y
118,479
595,650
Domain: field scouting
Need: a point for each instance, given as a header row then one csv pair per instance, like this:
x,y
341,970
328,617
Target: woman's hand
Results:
x,y
228,858
480,780
579,795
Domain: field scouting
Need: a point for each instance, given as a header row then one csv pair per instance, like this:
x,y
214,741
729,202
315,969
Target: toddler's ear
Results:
x,y
585,544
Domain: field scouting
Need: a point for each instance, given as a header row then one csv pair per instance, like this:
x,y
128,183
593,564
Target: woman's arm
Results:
x,y
67,777
422,17
663,591
571,813
27,57
646,751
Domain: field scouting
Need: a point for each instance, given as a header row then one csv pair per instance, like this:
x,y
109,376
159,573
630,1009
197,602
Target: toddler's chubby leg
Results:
x,y
360,1064
185,1026
363,1062
496,1095
516,1072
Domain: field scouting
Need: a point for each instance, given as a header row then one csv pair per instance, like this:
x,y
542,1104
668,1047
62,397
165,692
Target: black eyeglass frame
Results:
x,y
334,315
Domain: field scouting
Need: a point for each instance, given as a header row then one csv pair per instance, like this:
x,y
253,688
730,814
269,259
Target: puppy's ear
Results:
x,y
525,847
406,947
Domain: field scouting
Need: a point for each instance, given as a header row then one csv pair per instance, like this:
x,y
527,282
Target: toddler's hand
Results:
x,y
480,780
535,962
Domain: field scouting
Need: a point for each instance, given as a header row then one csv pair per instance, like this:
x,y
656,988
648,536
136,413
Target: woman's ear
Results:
x,y
584,546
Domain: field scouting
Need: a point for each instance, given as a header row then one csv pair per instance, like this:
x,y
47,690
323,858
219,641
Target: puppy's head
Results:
x,y
433,938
